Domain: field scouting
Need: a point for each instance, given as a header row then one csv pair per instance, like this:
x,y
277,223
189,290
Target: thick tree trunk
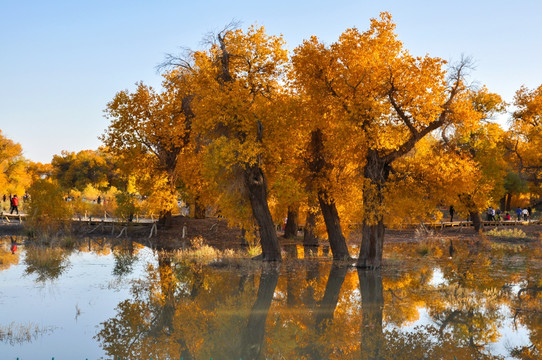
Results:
x,y
290,229
337,242
372,245
476,219
372,241
319,168
372,303
253,337
310,237
257,192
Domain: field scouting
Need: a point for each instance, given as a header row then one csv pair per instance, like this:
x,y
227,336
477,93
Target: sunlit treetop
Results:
x,y
367,82
529,106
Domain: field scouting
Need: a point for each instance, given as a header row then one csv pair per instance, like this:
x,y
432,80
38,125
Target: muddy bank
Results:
x,y
13,229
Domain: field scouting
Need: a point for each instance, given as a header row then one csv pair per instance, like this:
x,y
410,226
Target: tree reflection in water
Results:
x,y
125,258
252,341
47,263
372,304
185,309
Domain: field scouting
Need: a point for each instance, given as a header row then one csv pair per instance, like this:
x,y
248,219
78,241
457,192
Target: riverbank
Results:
x,y
216,232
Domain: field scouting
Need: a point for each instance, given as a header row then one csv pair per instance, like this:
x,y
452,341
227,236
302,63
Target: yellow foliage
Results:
x,y
47,207
15,174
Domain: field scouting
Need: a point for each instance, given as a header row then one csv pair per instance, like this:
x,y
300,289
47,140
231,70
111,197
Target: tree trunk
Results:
x,y
476,219
372,303
502,203
310,238
337,241
165,218
372,244
508,201
290,229
253,337
372,240
319,168
199,209
257,192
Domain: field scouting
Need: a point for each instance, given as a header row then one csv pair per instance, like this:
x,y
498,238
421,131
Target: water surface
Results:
x,y
109,301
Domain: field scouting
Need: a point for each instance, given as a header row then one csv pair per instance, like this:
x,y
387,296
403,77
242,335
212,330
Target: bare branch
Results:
x,y
182,60
212,37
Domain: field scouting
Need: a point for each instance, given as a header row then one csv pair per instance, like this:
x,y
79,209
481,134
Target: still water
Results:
x,y
101,300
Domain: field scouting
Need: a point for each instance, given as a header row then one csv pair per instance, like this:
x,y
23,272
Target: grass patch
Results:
x,y
201,252
508,233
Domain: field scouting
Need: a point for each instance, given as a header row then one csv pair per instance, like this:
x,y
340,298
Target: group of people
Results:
x,y
496,215
13,203
525,213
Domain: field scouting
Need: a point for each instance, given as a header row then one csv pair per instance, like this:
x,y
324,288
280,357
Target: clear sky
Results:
x,y
62,61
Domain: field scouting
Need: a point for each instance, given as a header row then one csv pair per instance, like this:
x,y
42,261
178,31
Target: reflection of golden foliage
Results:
x,y
47,262
7,258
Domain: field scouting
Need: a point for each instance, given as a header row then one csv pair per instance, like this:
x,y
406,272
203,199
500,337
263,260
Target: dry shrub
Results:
x,y
201,252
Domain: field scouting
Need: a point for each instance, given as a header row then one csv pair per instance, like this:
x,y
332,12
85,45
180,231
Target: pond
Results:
x,y
103,300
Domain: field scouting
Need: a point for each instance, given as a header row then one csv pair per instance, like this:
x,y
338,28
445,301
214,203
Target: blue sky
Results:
x,y
62,61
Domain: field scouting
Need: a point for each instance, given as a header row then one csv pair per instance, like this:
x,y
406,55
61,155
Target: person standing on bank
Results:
x,y
14,204
452,212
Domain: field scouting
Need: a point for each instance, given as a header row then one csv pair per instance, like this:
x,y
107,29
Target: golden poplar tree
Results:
x,y
15,176
150,131
239,117
386,98
526,137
